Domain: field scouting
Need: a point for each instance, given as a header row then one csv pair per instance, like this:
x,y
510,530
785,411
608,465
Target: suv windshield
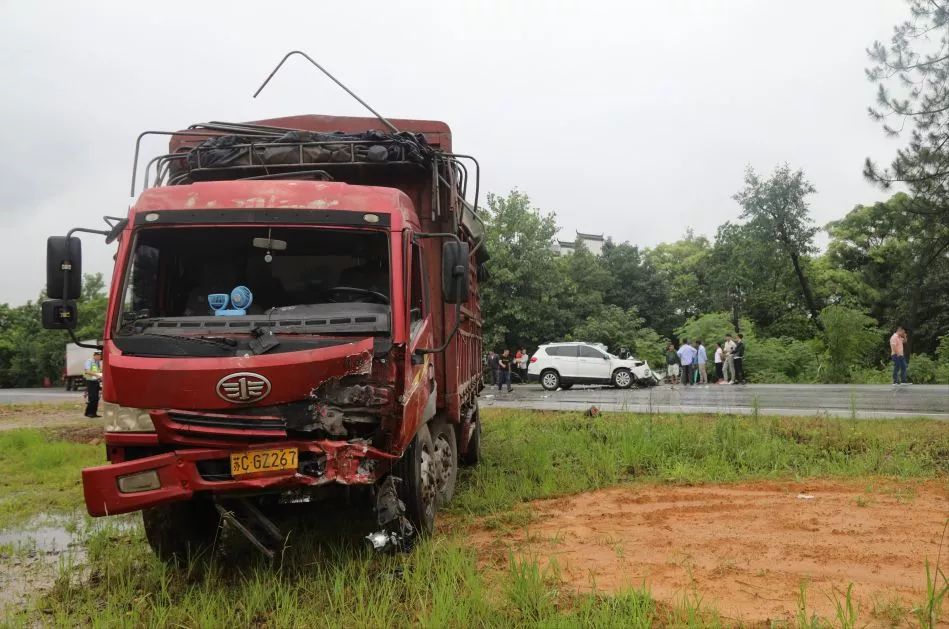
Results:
x,y
199,272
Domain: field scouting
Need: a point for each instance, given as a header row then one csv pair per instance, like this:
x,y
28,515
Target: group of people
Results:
x,y
688,364
503,364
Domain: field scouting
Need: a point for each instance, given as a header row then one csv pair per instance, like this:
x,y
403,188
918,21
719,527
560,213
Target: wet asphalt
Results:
x,y
860,401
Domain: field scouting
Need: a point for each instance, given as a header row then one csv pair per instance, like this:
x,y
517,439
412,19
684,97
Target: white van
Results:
x,y
562,365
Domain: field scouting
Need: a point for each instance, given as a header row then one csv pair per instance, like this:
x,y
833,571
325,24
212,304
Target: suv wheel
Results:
x,y
622,379
550,380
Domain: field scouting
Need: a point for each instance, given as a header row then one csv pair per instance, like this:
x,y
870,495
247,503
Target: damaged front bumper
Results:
x,y
171,476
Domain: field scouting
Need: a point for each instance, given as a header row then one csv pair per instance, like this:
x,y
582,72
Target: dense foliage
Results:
x,y
28,353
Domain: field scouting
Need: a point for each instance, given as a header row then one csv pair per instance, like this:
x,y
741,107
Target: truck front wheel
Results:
x,y
180,531
446,458
419,488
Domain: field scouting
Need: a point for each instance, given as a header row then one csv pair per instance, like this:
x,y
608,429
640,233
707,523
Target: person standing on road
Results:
x,y
672,364
493,366
740,360
522,364
687,358
701,360
729,349
898,356
92,373
504,370
719,359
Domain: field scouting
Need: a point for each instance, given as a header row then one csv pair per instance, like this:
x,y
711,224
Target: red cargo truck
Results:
x,y
294,309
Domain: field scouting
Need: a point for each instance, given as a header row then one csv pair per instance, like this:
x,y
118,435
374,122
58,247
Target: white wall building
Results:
x,y
593,243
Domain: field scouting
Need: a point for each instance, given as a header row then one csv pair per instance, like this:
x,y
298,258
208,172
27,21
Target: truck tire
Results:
x,y
446,457
418,489
550,379
622,379
182,531
472,455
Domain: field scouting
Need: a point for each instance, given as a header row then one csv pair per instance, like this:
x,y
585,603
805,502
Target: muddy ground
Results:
x,y
744,549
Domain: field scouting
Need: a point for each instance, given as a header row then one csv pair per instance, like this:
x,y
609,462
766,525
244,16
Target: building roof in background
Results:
x,y
590,236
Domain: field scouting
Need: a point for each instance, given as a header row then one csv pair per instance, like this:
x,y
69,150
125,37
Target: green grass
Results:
x,y
333,580
533,455
41,475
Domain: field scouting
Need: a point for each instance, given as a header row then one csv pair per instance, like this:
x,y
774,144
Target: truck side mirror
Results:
x,y
63,254
455,279
59,314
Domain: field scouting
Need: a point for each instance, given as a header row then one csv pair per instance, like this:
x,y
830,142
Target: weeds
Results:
x,y
846,609
937,586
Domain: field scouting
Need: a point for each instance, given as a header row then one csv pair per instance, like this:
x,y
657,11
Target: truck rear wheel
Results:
x,y
180,531
419,487
446,458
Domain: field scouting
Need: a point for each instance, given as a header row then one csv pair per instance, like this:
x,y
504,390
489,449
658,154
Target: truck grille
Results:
x,y
229,421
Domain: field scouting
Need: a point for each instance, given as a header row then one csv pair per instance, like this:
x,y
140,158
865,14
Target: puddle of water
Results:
x,y
54,534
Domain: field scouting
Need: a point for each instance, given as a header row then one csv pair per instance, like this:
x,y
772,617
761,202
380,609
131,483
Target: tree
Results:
x,y
912,74
750,277
850,337
776,208
636,283
518,300
683,267
879,261
614,327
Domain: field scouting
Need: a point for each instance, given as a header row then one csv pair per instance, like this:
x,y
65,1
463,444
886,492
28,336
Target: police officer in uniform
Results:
x,y
93,377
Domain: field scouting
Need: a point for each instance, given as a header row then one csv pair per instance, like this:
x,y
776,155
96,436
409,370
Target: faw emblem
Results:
x,y
243,387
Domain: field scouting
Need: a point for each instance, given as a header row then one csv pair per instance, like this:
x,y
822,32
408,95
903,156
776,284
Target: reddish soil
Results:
x,y
744,549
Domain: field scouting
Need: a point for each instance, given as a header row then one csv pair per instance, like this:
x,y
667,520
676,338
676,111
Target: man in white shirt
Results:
x,y
687,359
729,368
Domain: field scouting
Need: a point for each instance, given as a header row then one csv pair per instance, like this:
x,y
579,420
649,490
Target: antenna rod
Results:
x,y
375,113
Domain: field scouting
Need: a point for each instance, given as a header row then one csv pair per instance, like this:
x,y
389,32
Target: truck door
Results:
x,y
420,394
593,363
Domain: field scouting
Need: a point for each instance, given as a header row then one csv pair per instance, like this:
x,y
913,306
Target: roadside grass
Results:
x,y
334,583
332,579
41,474
535,454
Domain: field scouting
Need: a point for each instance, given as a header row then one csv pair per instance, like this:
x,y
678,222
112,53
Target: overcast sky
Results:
x,y
635,119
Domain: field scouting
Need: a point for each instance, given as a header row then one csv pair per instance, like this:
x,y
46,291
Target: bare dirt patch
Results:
x,y
44,416
745,549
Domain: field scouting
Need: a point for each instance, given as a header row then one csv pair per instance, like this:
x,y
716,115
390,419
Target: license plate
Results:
x,y
257,461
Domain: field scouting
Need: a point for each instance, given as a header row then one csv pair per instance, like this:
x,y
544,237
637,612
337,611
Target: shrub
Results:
x,y
849,336
871,375
922,369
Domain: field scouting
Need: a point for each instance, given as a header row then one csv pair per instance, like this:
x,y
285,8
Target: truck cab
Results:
x,y
293,308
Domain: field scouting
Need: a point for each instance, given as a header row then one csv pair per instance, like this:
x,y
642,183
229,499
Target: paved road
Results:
x,y
33,396
864,401
867,401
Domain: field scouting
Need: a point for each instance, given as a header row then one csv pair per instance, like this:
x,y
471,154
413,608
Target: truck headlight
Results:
x,y
126,419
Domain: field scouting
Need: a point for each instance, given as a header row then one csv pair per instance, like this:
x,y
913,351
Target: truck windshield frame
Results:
x,y
171,270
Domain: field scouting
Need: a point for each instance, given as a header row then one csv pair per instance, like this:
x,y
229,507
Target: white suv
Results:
x,y
562,365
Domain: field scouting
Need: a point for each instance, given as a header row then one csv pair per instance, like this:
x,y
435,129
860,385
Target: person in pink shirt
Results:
x,y
898,356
